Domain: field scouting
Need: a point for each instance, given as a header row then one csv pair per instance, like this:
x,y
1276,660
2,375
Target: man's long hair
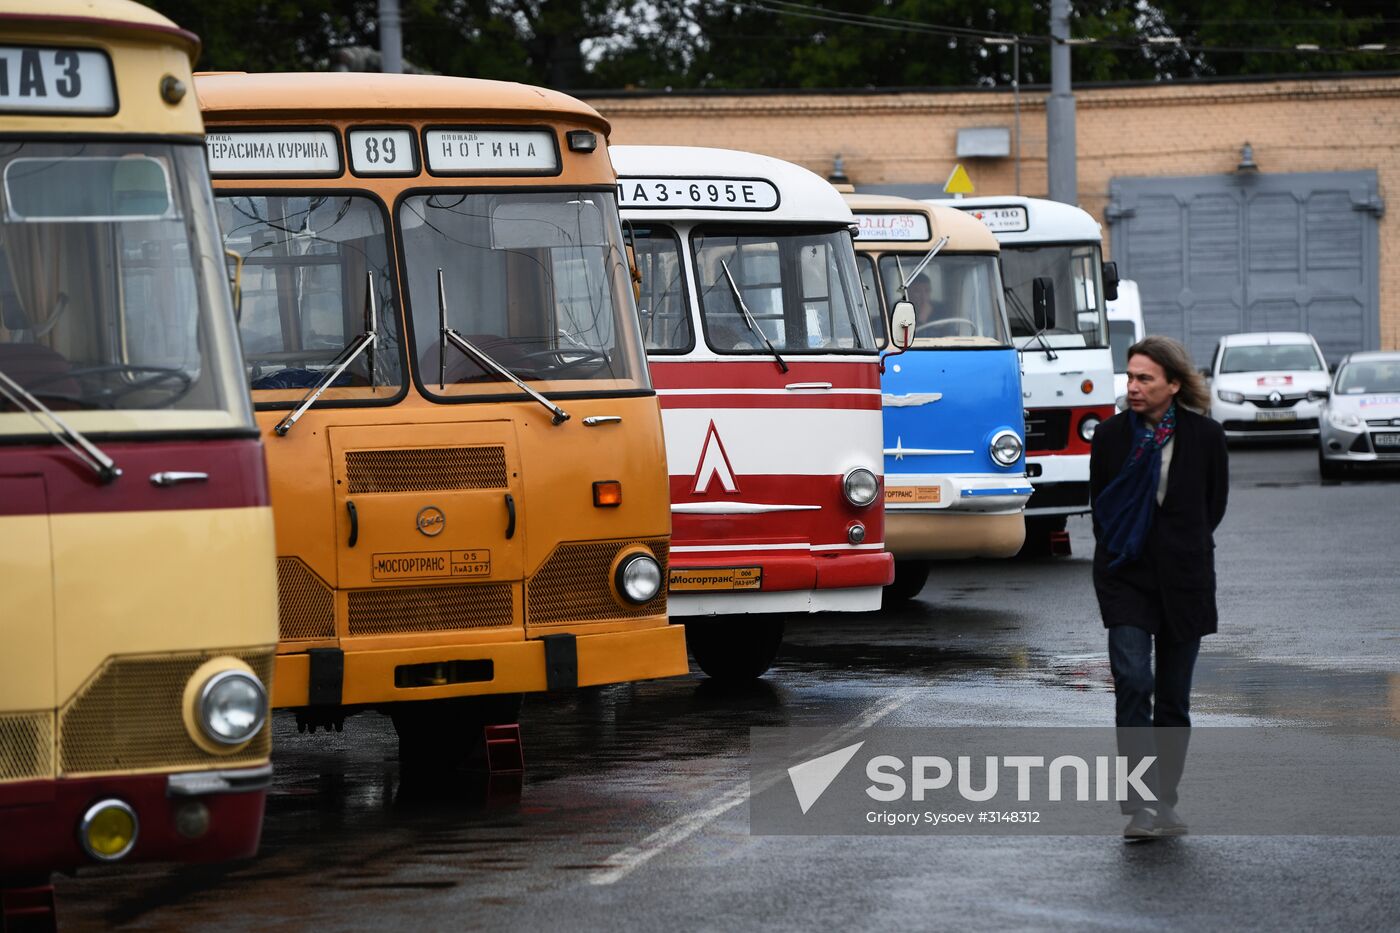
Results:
x,y
1175,361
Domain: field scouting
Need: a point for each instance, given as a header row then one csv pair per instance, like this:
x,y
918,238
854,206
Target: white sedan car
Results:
x,y
1361,418
1260,385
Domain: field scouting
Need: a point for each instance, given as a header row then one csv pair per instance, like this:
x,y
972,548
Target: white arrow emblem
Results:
x,y
714,464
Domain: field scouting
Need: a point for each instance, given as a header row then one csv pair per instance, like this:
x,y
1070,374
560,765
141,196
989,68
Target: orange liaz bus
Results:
x,y
138,597
464,446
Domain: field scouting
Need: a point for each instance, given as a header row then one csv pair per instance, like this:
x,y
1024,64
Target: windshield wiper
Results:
x,y
82,448
342,360
445,334
1037,335
904,280
748,318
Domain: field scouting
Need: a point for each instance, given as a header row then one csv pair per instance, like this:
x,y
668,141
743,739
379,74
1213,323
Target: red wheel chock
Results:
x,y
1059,544
504,754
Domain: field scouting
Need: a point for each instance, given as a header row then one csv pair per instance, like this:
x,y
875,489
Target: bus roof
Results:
x,y
94,17
1032,220
321,95
965,233
776,191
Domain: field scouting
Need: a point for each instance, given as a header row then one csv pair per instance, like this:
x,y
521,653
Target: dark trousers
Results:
x,y
1154,708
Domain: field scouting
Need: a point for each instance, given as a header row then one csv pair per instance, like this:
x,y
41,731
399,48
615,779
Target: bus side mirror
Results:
x,y
902,321
1043,302
1110,281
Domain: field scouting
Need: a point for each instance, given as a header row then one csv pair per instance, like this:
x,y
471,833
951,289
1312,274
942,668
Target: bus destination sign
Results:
x,y
893,227
303,153
468,151
48,80
705,194
1001,219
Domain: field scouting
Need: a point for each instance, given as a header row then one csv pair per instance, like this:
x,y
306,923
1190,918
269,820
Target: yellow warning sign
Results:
x,y
958,182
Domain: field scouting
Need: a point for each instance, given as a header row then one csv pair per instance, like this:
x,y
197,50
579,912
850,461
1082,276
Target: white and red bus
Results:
x,y
762,353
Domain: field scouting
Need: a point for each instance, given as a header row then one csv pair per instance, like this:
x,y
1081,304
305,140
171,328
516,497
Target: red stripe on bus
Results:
x,y
821,401
237,478
824,524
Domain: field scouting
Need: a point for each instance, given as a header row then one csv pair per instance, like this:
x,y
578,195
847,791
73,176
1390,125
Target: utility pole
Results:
x,y
390,37
1059,111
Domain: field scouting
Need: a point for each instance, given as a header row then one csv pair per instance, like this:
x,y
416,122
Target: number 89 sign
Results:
x,y
382,152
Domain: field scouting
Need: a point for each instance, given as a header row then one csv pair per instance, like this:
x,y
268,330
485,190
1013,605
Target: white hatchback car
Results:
x,y
1361,417
1260,384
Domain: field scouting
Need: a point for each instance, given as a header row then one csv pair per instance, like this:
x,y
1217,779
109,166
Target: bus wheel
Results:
x,y
443,735
909,579
735,650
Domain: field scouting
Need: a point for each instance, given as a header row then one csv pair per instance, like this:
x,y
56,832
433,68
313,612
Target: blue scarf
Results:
x,y
1125,508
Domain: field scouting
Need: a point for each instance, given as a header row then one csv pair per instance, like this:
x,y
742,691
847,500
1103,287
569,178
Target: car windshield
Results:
x,y
1121,336
1289,357
957,299
302,264
1080,317
537,280
112,296
1369,377
662,309
799,287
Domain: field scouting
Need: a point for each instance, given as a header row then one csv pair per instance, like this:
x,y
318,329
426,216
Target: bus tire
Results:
x,y
909,579
735,650
445,735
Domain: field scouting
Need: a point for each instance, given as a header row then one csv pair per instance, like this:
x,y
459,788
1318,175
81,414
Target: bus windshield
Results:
x,y
1080,315
302,264
111,288
957,299
800,288
537,280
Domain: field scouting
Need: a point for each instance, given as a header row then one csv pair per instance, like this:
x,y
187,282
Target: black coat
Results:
x,y
1170,589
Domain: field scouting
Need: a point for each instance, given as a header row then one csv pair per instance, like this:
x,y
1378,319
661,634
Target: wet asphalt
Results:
x,y
634,813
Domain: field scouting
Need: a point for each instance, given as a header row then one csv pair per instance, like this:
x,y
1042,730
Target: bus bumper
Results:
x,y
39,820
369,676
946,535
849,581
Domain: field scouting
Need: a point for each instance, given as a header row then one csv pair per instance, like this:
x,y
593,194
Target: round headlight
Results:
x,y
232,707
108,830
1088,426
1225,395
1006,448
860,486
639,578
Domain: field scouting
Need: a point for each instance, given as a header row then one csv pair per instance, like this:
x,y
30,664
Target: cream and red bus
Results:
x,y
768,371
464,447
138,597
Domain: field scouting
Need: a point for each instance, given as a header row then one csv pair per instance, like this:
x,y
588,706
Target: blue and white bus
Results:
x,y
955,478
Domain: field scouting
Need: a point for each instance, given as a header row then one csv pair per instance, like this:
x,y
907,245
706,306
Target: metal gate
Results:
x,y
1222,254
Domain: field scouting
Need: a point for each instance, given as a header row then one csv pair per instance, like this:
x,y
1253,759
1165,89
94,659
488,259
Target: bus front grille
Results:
x,y
130,715
26,746
305,604
574,585
425,469
412,609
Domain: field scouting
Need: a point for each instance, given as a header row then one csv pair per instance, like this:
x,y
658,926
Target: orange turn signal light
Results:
x,y
607,494
1086,386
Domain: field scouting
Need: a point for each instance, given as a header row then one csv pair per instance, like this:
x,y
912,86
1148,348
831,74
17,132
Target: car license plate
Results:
x,y
716,578
1386,440
1276,416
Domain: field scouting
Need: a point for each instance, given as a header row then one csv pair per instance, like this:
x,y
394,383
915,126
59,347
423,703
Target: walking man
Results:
x,y
1159,478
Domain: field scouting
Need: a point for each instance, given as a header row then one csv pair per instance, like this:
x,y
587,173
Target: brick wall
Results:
x,y
1328,125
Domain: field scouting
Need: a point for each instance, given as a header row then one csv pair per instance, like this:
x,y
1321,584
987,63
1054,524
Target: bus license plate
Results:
x,y
717,578
1276,416
921,494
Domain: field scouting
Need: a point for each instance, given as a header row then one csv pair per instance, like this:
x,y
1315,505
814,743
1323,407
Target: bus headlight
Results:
x,y
860,487
639,578
232,707
1006,448
1088,426
108,830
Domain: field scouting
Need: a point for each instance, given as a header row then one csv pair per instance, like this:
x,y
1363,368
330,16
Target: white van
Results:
x,y
1125,328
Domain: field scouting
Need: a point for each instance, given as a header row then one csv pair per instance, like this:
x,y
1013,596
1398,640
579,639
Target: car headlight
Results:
x,y
232,707
1088,426
639,578
1225,395
860,486
1006,448
1344,419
